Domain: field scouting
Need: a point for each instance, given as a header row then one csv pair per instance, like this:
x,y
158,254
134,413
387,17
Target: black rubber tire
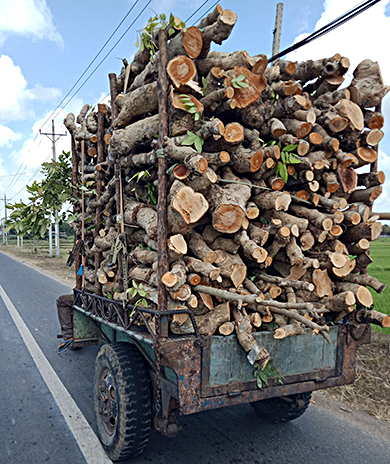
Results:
x,y
124,419
282,409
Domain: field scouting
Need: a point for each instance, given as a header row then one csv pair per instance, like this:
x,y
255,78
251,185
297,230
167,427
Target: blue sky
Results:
x,y
45,45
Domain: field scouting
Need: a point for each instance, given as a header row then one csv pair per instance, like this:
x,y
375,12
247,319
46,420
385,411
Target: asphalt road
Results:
x,y
33,430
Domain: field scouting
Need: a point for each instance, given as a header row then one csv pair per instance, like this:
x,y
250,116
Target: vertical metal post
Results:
x,y
5,215
278,29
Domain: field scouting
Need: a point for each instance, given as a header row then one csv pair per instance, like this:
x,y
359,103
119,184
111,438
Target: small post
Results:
x,y
162,219
278,29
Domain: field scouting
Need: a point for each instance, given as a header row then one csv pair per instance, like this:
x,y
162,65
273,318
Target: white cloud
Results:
x,y
15,94
365,36
30,18
8,136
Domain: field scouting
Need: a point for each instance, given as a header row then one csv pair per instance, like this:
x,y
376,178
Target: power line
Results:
x,y
328,27
12,183
204,14
90,64
98,66
10,175
194,13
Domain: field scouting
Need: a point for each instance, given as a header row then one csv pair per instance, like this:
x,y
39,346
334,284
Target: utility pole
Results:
x,y
5,218
278,29
52,134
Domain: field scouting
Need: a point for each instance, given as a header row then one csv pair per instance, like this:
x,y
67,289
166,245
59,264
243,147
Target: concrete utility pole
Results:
x,y
5,240
57,227
278,29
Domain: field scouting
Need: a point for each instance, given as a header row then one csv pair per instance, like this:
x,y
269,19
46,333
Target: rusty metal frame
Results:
x,y
189,362
116,312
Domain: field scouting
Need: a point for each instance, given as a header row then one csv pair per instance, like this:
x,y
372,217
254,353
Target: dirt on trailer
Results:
x,y
370,394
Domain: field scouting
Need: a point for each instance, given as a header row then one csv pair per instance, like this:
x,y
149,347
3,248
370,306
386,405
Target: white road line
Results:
x,y
88,442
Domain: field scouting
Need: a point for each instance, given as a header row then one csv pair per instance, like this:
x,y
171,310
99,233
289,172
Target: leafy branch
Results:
x,y
195,140
237,81
145,38
286,158
269,372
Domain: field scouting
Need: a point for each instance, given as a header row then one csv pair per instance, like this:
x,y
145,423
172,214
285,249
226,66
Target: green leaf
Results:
x,y
283,172
171,31
289,148
259,382
199,144
137,43
263,377
109,296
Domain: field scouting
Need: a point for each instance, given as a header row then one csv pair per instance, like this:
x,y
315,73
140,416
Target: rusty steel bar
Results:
x,y
162,220
76,208
99,189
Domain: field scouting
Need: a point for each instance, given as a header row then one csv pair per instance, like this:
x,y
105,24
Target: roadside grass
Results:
x,y
380,269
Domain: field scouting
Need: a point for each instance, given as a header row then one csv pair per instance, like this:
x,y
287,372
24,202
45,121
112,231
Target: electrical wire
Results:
x,y
204,14
328,27
91,63
95,69
194,13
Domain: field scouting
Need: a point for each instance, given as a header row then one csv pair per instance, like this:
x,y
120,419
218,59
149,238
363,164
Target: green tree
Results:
x,y
45,197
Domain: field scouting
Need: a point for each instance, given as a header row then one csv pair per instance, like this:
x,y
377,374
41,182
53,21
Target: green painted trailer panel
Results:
x,y
293,355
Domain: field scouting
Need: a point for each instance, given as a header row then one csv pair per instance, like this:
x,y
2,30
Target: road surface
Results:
x,y
37,427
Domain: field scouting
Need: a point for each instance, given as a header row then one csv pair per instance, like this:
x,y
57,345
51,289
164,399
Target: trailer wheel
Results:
x,y
284,408
122,400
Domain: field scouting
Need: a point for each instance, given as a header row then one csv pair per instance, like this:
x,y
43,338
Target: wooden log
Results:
x,y
359,247
373,119
323,283
255,85
351,111
227,328
289,330
251,248
190,204
123,141
371,317
141,101
339,302
362,294
280,201
205,269
298,128
367,88
314,216
366,280
182,72
142,215
228,203
217,32
200,248
331,98
243,328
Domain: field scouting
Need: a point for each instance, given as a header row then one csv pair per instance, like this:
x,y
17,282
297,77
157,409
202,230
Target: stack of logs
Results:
x,y
248,251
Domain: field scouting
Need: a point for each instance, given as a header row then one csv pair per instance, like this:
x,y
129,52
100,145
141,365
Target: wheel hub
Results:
x,y
108,404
